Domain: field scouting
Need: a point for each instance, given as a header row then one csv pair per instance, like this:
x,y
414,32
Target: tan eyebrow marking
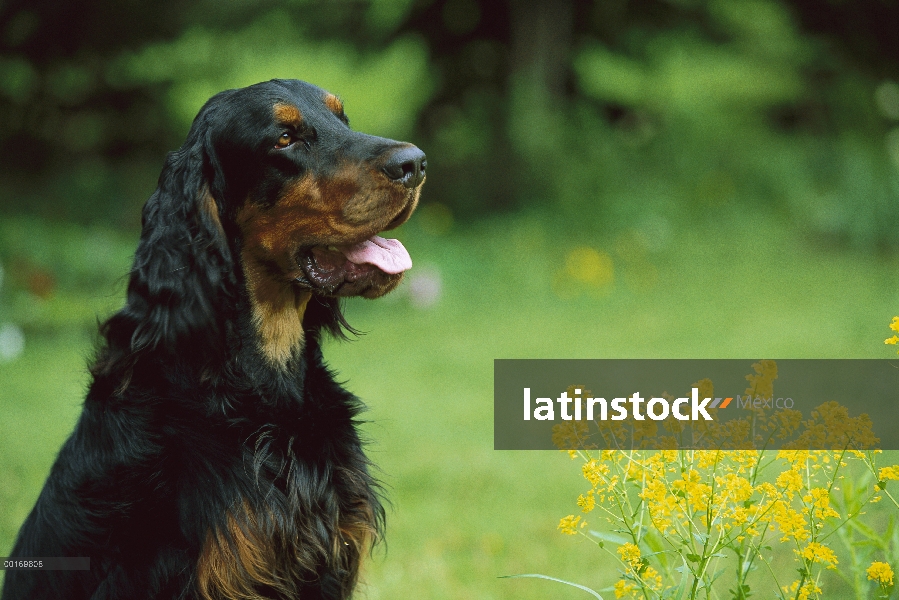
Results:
x,y
288,114
334,104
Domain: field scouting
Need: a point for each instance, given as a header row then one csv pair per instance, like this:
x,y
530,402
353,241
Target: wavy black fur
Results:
x,y
193,447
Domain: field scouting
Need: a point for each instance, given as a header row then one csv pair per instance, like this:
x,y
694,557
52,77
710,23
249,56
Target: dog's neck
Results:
x,y
278,309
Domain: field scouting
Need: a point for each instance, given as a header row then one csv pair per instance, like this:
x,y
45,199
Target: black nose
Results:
x,y
407,166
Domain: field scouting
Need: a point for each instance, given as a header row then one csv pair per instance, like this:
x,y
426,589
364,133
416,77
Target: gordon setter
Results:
x,y
216,457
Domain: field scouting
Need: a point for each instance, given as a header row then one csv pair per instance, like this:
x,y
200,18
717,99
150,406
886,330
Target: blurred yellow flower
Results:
x,y
881,572
808,590
625,588
589,266
652,578
894,325
588,502
568,525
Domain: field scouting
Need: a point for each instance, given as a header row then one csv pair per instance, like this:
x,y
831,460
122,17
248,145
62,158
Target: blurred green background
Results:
x,y
664,178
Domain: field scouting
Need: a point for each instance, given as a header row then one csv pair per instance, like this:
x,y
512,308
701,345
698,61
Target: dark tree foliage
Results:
x,y
63,123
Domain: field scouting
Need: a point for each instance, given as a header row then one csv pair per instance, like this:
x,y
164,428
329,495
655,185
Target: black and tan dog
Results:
x,y
216,457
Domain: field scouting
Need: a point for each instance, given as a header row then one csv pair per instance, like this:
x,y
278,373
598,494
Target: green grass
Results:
x,y
40,398
741,286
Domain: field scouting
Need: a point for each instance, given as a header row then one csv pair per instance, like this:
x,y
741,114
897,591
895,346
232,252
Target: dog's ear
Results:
x,y
183,268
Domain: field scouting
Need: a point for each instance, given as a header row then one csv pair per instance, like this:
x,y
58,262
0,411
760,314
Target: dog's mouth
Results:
x,y
370,268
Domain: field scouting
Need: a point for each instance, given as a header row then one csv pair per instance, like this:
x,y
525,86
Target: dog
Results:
x,y
216,457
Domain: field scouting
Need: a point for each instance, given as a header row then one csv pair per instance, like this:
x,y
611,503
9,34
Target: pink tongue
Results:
x,y
388,255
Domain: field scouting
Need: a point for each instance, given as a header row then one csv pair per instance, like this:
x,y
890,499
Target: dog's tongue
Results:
x,y
388,255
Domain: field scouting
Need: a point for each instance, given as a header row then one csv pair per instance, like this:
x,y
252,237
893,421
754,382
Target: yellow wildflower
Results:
x,y
819,499
707,458
568,525
630,554
881,573
889,473
624,588
652,579
809,590
790,522
594,471
661,503
816,552
805,592
693,488
790,481
734,488
588,502
766,489
894,325
654,463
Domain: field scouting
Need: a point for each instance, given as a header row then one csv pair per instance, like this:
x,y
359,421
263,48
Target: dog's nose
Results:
x,y
407,166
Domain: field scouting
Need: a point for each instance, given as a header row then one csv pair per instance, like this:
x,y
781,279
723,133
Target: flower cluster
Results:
x,y
894,325
711,505
686,513
882,573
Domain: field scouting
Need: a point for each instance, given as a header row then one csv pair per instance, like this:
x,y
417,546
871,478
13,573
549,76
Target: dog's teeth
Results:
x,y
332,248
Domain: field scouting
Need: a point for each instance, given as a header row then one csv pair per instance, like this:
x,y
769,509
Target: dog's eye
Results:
x,y
285,140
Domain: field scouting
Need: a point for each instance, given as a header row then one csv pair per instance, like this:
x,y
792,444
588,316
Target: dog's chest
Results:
x,y
294,516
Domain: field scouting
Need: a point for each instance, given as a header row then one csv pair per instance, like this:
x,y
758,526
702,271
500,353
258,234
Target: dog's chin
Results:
x,y
404,214
327,271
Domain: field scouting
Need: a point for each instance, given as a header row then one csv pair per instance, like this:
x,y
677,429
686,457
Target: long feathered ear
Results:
x,y
183,268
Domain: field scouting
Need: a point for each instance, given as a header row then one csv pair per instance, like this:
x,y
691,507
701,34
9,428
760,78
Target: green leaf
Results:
x,y
682,586
609,537
741,593
538,576
643,564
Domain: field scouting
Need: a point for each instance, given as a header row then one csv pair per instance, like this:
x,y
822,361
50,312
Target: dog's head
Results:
x,y
272,194
308,193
